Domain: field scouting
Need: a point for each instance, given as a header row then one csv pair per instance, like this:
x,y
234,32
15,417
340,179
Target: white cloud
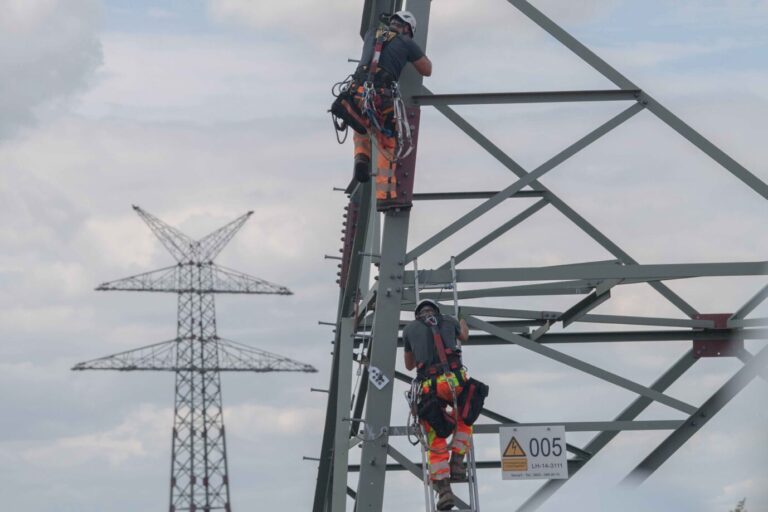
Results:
x,y
248,421
141,434
199,128
48,51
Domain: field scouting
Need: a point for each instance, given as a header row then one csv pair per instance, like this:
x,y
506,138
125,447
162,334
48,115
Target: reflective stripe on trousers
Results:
x,y
438,454
386,181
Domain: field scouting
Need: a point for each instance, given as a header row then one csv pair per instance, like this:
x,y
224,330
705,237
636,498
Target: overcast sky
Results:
x,y
200,110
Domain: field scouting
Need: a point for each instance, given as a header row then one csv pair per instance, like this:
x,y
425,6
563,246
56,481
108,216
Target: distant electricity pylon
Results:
x,y
199,476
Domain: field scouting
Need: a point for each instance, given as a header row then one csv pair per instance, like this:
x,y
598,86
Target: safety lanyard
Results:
x,y
378,46
433,324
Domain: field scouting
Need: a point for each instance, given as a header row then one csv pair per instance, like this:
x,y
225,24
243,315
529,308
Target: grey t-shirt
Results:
x,y
417,338
394,56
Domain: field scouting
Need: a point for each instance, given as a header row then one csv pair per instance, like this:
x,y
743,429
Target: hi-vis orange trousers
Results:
x,y
439,453
386,182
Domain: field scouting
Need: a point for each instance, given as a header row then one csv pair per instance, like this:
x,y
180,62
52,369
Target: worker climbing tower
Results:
x,y
199,476
360,410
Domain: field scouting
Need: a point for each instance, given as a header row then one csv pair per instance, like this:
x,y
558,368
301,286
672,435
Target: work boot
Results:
x,y
445,495
458,471
362,168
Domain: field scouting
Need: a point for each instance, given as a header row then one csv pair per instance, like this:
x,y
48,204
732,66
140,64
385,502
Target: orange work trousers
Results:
x,y
386,181
439,451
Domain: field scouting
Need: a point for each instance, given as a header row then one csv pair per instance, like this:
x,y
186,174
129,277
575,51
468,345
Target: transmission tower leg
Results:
x,y
370,492
343,413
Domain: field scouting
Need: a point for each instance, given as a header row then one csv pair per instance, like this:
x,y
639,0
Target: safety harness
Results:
x,y
450,360
467,404
376,89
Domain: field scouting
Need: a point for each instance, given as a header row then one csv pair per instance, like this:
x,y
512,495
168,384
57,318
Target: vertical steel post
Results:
x,y
370,490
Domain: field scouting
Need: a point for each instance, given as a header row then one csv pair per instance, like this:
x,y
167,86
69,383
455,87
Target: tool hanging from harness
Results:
x,y
371,98
469,402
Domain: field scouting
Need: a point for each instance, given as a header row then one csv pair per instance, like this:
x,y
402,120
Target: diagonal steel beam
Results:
x,y
525,180
580,365
654,106
699,418
496,233
597,443
573,44
558,203
751,304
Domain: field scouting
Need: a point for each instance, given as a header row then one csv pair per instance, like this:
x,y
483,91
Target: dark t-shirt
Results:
x,y
395,54
417,338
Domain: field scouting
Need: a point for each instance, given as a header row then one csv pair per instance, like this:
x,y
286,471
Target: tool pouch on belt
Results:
x,y
432,410
471,399
344,108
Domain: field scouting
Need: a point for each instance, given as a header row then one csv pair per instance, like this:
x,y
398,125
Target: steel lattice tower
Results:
x,y
368,322
199,475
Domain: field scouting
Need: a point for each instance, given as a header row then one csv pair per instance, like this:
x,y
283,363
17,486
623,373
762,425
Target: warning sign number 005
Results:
x,y
533,452
545,447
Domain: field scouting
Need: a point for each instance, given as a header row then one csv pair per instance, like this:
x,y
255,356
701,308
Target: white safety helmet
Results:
x,y
426,302
406,17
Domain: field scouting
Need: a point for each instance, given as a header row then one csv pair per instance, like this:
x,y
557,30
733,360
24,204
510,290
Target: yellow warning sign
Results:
x,y
514,464
514,458
514,449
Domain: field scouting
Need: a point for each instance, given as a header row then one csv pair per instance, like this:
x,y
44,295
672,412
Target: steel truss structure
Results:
x,y
368,321
199,475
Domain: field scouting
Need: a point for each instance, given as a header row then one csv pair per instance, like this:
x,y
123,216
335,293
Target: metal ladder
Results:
x,y
429,492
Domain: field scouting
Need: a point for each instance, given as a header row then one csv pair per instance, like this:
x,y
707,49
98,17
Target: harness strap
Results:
x,y
434,325
382,36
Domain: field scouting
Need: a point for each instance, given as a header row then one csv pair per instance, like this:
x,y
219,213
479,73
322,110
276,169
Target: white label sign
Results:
x,y
533,452
377,377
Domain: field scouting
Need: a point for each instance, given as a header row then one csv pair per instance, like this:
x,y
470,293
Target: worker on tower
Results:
x,y
431,345
369,101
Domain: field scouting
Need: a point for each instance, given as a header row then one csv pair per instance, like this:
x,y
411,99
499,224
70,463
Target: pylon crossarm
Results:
x,y
178,244
158,356
161,280
227,280
211,245
234,356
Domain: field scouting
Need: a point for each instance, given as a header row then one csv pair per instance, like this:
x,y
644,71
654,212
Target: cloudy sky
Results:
x,y
200,110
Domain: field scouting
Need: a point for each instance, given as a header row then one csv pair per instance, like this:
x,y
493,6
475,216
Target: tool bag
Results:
x,y
346,112
471,399
431,409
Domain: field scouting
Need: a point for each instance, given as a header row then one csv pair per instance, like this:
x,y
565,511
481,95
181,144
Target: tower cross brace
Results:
x,y
368,320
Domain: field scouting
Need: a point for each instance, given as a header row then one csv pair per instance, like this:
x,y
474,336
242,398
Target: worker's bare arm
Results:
x,y
423,66
464,328
410,360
